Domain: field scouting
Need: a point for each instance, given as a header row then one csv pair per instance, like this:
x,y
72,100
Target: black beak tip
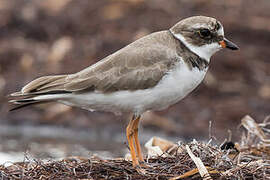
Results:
x,y
230,45
234,48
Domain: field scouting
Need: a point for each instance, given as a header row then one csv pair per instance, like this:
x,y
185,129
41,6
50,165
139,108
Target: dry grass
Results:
x,y
249,159
93,168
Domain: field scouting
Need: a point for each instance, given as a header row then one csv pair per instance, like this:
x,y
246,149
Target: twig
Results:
x,y
198,162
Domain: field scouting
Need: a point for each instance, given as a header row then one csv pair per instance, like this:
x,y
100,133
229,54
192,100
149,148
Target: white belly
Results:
x,y
172,88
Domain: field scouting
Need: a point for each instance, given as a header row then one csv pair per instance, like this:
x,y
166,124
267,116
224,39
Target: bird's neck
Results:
x,y
204,51
190,57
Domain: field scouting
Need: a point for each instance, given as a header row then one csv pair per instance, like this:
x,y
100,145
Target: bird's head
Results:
x,y
202,35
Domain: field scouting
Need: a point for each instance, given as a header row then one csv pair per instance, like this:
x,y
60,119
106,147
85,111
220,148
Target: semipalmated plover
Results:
x,y
151,73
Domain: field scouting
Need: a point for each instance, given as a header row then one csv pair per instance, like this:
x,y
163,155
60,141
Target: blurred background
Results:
x,y
40,37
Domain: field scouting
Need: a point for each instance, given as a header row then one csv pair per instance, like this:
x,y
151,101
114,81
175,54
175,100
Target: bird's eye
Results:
x,y
204,33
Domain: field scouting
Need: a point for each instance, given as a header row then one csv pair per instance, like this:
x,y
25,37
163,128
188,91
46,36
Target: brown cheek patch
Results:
x,y
195,39
216,38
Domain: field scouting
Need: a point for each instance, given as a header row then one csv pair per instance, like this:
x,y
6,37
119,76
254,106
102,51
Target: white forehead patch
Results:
x,y
220,31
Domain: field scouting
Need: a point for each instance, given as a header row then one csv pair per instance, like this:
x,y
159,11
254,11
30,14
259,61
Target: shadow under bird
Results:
x,y
151,73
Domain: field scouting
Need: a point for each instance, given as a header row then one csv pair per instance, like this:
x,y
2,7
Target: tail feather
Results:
x,y
47,85
25,104
20,101
33,94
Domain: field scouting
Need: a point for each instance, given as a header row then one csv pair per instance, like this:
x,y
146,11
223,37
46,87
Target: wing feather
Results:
x,y
125,70
140,65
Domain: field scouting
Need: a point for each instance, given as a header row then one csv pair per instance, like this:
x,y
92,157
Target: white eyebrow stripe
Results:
x,y
198,26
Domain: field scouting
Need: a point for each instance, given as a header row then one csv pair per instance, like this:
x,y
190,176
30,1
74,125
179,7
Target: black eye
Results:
x,y
204,33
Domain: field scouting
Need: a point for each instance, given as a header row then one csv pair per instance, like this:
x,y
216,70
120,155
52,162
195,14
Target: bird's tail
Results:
x,y
42,90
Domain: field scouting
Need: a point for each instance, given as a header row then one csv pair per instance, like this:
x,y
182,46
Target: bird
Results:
x,y
150,74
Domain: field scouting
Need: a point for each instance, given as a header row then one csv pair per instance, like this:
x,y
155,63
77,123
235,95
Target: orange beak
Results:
x,y
222,43
225,43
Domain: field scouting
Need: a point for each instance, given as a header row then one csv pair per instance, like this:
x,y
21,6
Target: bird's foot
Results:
x,y
143,164
140,170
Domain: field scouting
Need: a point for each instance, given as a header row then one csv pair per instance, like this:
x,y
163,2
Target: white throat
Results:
x,y
205,51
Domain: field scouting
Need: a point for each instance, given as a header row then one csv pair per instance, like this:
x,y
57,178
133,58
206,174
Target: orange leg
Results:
x,y
137,142
130,134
